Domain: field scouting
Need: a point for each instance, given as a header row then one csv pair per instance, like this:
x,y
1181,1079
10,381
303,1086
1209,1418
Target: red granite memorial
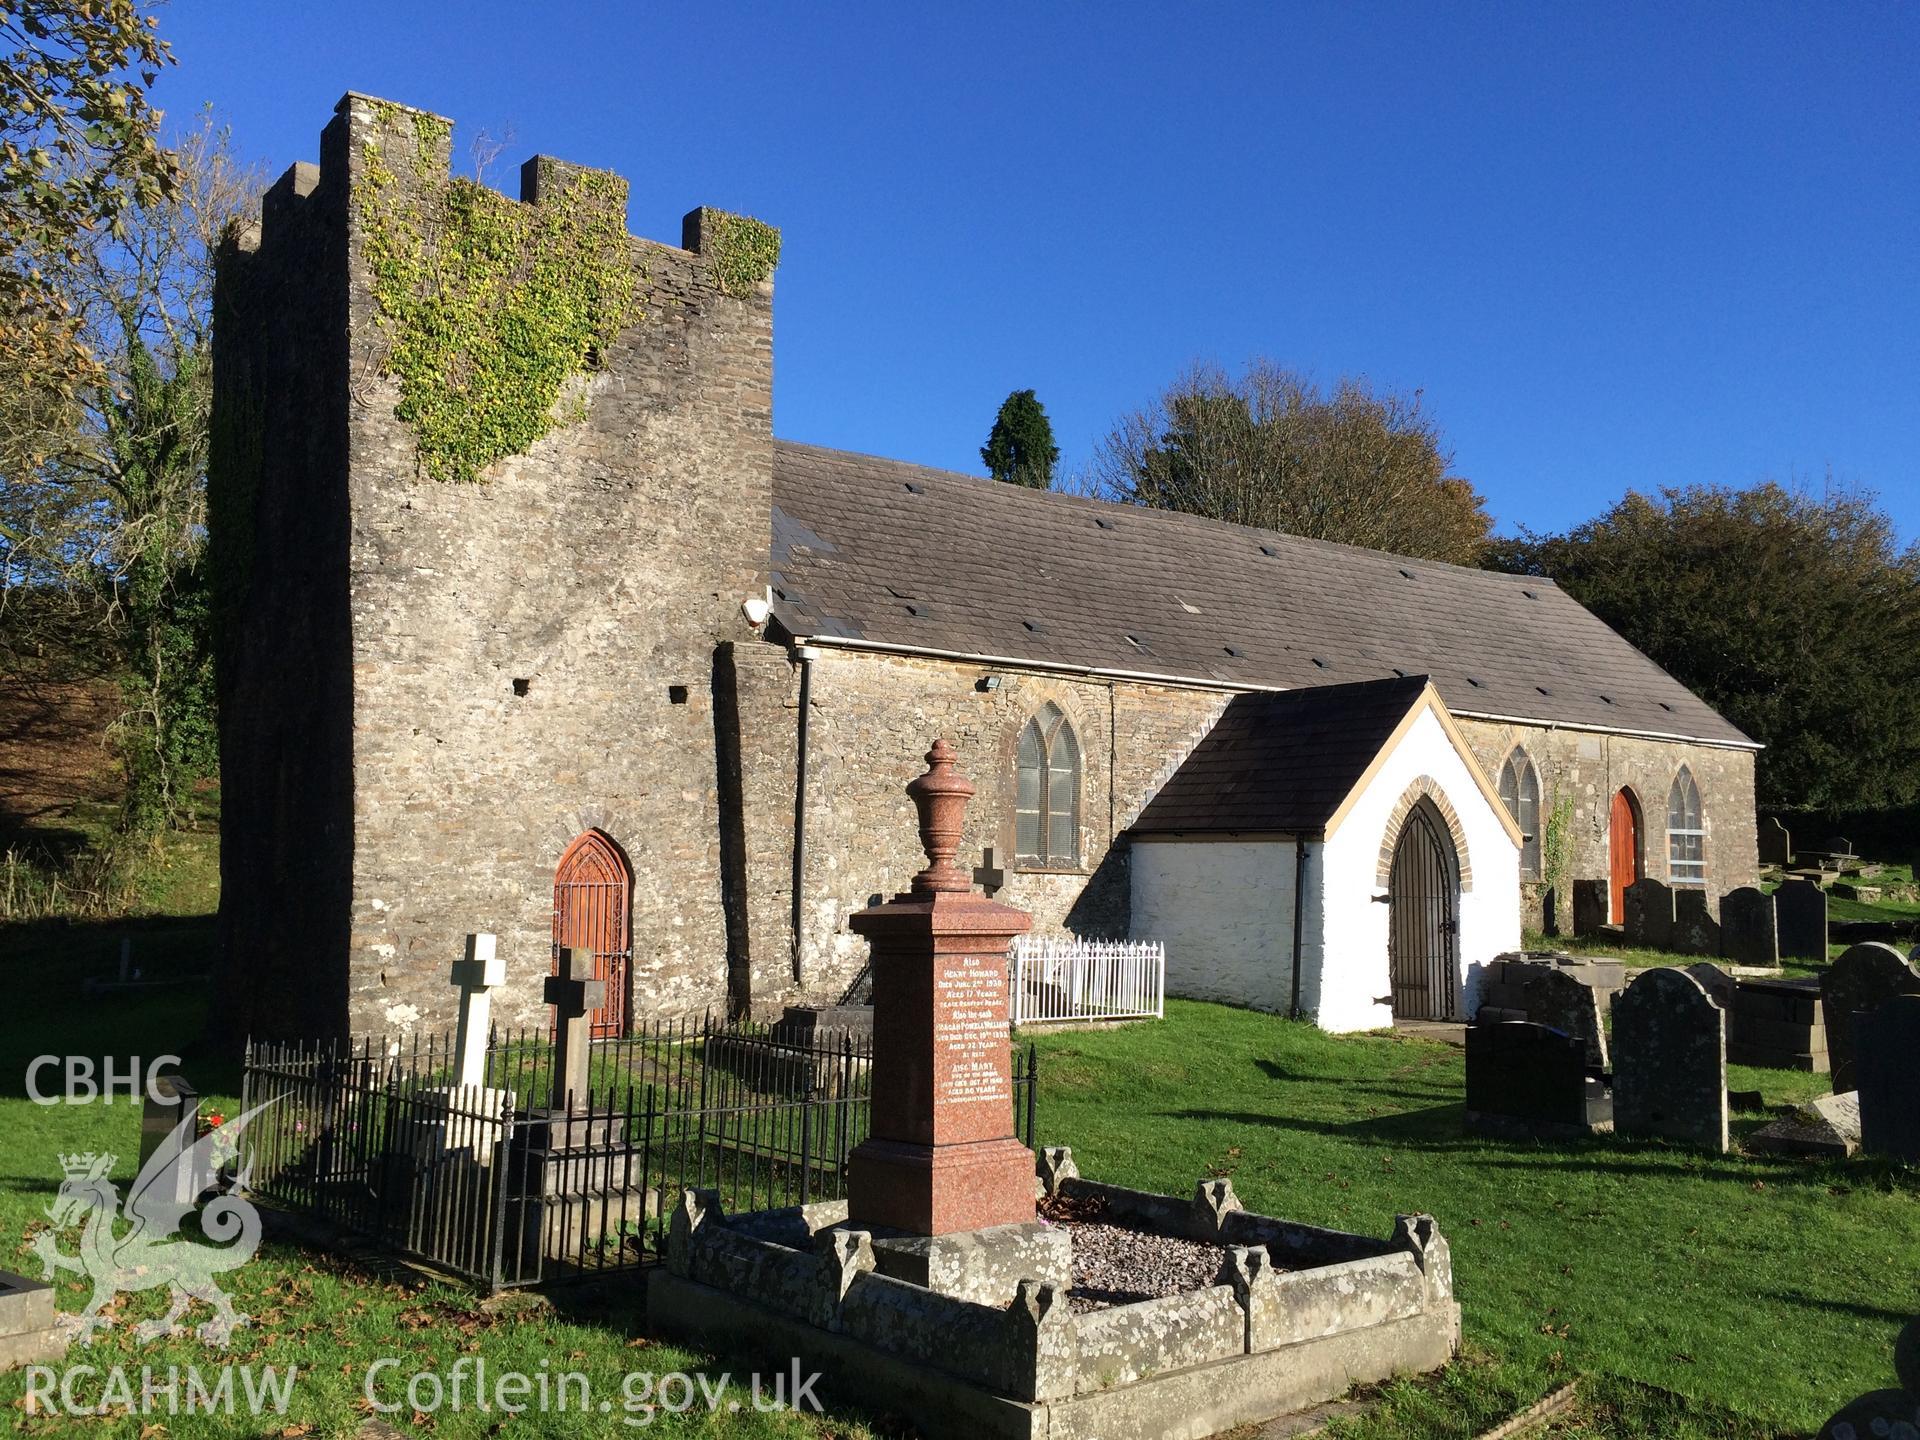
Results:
x,y
941,1156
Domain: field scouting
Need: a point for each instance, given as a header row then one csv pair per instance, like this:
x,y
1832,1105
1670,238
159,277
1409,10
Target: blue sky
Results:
x,y
1616,246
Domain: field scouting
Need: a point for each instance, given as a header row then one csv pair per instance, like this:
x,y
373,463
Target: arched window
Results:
x,y
1520,793
1046,809
1686,833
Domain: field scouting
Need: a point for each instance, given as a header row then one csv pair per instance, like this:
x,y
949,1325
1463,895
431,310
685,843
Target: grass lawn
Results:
x,y
1702,1296
1766,1292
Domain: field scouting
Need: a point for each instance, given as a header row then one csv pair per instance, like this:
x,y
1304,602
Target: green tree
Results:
x,y
109,517
79,146
1020,448
1796,616
1270,448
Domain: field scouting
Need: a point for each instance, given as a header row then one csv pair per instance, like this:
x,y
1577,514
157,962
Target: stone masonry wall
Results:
x,y
1592,767
278,533
873,717
535,654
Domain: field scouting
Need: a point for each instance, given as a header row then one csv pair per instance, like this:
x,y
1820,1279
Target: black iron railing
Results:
x,y
493,1184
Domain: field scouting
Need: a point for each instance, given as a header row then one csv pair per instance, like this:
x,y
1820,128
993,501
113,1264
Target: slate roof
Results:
x,y
898,555
1281,761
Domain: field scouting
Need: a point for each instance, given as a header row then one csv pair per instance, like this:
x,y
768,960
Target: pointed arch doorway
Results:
x,y
1423,919
1623,852
592,899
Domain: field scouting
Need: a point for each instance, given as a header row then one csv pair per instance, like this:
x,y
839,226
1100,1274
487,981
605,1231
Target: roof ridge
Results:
x,y
1155,515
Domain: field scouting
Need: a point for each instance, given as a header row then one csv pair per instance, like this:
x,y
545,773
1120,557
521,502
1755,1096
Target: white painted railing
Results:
x,y
1053,978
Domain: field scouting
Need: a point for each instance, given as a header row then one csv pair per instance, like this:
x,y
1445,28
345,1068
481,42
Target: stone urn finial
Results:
x,y
941,797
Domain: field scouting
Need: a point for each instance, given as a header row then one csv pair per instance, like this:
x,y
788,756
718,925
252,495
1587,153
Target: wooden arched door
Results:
x,y
1623,853
592,896
1423,925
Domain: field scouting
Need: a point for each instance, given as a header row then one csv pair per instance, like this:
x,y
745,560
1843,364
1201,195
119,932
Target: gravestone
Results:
x,y
476,975
574,995
1748,932
1839,845
1864,978
171,1102
1670,1061
1887,1048
1776,845
1695,931
1800,918
989,874
1589,906
1828,1128
29,1332
1885,1414
1715,981
1648,908
1554,998
470,1122
1775,1023
941,1155
1529,1079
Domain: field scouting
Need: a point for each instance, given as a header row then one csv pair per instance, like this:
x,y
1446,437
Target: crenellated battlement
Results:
x,y
369,131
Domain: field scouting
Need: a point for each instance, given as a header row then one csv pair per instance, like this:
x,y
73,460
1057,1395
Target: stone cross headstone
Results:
x,y
476,976
1800,914
1670,1061
1748,931
1776,845
988,875
1590,906
1555,998
1695,931
941,1155
1886,1043
574,995
1647,905
1864,978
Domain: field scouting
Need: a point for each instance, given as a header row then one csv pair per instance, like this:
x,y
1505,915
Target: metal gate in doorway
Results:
x,y
1423,928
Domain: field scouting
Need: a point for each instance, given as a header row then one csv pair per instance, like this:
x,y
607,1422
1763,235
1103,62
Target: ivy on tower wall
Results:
x,y
491,305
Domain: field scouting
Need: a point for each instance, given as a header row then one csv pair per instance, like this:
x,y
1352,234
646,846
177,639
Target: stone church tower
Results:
x,y
434,690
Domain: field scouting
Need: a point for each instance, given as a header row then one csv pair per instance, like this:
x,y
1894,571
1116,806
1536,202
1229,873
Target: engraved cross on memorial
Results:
x,y
941,1155
574,995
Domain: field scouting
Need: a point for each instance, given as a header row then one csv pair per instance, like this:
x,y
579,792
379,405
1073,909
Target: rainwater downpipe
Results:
x,y
1299,910
807,655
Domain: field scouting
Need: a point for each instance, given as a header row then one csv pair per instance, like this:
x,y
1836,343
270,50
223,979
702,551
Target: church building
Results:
x,y
654,682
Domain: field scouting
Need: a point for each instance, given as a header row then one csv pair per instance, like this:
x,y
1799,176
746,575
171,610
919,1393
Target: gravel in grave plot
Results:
x,y
1119,1264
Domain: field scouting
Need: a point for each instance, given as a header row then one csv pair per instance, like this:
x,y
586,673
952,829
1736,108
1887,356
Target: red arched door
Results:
x,y
1623,853
592,891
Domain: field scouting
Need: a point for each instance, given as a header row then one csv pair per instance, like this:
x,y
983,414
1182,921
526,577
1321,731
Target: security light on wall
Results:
x,y
988,683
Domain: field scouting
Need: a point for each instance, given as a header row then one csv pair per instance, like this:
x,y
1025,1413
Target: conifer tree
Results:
x,y
1020,448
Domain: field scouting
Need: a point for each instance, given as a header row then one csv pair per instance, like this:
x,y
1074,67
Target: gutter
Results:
x,y
1219,687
